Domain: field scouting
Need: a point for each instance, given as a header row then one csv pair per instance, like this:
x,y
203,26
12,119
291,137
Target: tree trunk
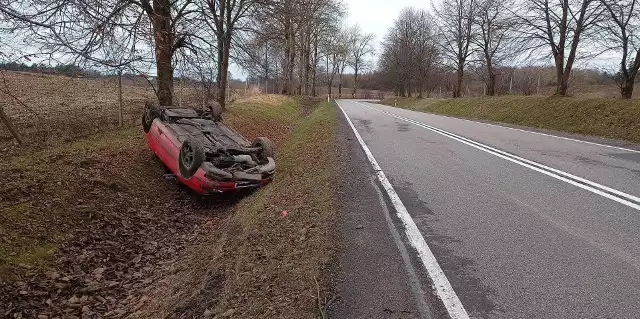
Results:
x,y
315,65
287,67
457,90
301,72
491,83
355,79
627,88
163,37
562,78
307,64
292,63
224,70
559,75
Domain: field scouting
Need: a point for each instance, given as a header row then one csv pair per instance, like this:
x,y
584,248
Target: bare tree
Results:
x,y
297,28
425,52
390,63
455,19
494,24
334,50
409,53
343,59
621,30
360,47
224,17
113,33
561,26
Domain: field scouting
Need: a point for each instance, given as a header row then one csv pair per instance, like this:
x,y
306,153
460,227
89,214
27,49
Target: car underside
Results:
x,y
204,153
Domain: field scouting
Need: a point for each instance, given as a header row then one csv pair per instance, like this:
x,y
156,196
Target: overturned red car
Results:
x,y
205,154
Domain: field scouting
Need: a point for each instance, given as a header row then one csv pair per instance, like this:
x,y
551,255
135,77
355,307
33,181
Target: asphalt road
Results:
x,y
523,225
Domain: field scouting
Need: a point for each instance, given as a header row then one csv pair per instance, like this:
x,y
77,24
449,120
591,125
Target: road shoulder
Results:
x,y
374,278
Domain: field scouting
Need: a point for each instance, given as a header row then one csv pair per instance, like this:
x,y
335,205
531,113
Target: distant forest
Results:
x,y
62,69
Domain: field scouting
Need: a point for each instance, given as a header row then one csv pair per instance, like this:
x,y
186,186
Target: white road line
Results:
x,y
532,132
414,282
624,198
440,282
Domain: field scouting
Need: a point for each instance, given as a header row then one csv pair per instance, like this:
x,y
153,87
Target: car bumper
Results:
x,y
214,187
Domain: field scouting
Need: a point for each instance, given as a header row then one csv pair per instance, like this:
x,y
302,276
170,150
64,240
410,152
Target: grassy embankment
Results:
x,y
100,203
609,118
261,263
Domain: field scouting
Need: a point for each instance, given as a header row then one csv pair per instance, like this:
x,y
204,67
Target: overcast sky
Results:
x,y
376,16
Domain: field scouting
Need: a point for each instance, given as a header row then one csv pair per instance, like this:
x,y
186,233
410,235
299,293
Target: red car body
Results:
x,y
166,140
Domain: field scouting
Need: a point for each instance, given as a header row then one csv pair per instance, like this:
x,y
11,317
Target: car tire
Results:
x,y
192,155
150,113
266,148
216,111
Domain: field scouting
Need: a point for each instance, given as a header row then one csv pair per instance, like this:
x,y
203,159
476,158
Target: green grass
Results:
x,y
33,256
25,250
286,111
610,118
81,147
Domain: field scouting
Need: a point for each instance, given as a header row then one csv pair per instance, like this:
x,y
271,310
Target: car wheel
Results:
x,y
151,112
266,148
192,155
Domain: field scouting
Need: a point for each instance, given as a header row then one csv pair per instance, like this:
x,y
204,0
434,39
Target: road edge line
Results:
x,y
441,284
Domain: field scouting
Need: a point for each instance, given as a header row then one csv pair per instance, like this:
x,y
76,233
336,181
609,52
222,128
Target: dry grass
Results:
x,y
265,99
610,118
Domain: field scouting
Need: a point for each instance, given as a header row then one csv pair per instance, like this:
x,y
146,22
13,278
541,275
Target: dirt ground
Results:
x,y
85,224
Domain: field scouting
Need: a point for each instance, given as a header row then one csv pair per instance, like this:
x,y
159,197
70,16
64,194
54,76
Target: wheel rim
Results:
x,y
187,155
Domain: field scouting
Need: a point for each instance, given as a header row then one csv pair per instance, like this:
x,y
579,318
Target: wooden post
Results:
x,y
181,86
538,90
511,85
120,119
5,120
204,99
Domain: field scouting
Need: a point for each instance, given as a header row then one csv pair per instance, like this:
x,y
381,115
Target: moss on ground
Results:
x,y
610,118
